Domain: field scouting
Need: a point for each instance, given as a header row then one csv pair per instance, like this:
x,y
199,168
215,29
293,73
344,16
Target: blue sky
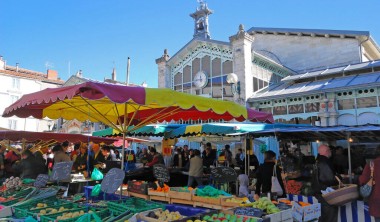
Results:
x,y
97,35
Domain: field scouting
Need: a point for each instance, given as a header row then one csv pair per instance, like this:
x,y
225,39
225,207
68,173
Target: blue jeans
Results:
x,y
191,181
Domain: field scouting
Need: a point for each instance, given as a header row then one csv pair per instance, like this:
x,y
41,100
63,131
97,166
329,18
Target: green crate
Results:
x,y
53,217
135,205
21,212
24,192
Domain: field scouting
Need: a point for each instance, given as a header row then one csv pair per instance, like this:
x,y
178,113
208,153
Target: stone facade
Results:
x,y
263,59
16,82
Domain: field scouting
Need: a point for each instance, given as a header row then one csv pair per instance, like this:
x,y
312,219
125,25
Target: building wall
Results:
x,y
303,53
14,88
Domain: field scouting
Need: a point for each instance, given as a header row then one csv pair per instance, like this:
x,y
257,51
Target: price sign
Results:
x,y
112,181
161,173
248,211
61,171
41,180
223,174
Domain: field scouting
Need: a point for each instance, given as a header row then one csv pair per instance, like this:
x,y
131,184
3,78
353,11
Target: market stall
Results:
x,y
121,107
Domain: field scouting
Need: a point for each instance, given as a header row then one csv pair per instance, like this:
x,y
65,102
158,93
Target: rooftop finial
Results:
x,y
201,20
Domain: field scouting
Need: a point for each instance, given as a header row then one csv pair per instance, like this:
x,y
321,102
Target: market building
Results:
x,y
16,82
321,77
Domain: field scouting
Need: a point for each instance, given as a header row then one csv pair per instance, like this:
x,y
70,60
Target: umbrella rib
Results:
x,y
84,112
134,114
153,117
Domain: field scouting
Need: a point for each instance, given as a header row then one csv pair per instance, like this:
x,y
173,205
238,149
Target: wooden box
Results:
x,y
180,195
207,200
152,192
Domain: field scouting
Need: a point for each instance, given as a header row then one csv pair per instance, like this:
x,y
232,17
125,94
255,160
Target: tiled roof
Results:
x,y
349,33
28,74
284,89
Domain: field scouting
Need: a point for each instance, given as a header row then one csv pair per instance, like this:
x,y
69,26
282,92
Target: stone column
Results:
x,y
242,63
323,112
333,120
164,79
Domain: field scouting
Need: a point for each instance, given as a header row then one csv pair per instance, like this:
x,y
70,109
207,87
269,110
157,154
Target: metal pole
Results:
x,y
349,157
128,67
245,153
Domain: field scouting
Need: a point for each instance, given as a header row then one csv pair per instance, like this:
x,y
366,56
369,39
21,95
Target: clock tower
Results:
x,y
200,17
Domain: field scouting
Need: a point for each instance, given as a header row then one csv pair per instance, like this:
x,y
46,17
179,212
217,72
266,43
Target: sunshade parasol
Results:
x,y
27,136
148,130
121,106
226,129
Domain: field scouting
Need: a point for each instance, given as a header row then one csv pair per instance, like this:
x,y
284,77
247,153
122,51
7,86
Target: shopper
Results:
x,y
264,175
325,177
227,155
178,159
240,159
80,163
374,198
59,154
96,159
157,158
29,166
195,169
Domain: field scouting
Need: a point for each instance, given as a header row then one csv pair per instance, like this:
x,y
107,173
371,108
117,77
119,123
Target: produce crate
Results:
x,y
152,192
140,187
180,201
225,212
135,205
138,195
175,193
224,203
185,211
101,196
207,200
53,217
26,209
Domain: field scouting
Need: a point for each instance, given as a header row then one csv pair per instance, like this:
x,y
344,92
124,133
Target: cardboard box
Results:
x,y
307,213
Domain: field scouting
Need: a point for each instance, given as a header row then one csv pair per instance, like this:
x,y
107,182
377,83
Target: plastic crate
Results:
x,y
101,196
53,217
135,205
24,211
186,210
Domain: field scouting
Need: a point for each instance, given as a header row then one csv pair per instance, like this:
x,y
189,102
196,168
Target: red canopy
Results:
x,y
47,136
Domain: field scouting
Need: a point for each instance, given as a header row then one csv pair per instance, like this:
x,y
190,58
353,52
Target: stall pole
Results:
x,y
245,153
349,157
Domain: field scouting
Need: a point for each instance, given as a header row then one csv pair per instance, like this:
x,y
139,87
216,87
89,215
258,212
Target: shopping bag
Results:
x,y
276,187
96,190
96,174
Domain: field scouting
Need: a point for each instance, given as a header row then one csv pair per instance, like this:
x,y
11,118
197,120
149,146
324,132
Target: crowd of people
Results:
x,y
330,163
32,161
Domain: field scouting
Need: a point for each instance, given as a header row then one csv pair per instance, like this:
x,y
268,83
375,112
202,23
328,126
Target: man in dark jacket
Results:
x,y
29,166
264,175
325,177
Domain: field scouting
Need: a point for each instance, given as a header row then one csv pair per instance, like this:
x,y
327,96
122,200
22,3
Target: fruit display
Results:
x,y
237,200
13,183
265,204
181,189
70,215
164,215
6,199
53,210
163,188
293,187
222,217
